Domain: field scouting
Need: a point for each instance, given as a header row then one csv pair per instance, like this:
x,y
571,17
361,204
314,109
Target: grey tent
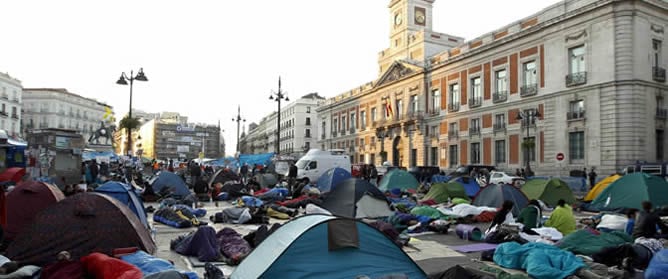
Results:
x,y
495,194
356,198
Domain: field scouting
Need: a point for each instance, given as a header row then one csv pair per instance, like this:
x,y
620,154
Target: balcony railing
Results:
x,y
4,113
352,130
475,102
308,123
15,116
334,133
434,112
4,96
343,132
500,96
499,127
453,135
659,74
661,113
528,90
474,131
308,136
575,115
576,79
453,107
322,136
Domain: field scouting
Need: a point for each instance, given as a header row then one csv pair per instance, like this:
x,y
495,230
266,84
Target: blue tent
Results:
x,y
471,186
331,178
171,180
126,195
323,246
255,159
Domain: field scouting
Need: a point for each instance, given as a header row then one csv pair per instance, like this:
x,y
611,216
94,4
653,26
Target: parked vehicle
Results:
x,y
316,162
658,169
499,177
356,169
466,169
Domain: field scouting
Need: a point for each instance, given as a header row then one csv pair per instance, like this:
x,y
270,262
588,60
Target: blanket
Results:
x,y
541,261
586,242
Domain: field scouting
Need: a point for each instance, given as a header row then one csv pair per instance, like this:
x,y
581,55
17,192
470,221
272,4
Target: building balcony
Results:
x,y
499,127
659,74
15,116
576,79
322,136
575,115
499,96
661,113
4,96
308,136
307,124
453,135
334,134
474,131
415,115
351,131
343,132
4,113
528,90
434,112
453,107
475,102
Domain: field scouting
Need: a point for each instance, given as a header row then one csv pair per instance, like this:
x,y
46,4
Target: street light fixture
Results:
x,y
140,76
528,117
238,119
278,96
381,134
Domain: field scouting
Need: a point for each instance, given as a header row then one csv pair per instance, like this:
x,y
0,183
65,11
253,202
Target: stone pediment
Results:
x,y
397,71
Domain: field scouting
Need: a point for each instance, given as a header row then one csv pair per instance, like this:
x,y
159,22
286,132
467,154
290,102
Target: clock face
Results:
x,y
419,17
397,19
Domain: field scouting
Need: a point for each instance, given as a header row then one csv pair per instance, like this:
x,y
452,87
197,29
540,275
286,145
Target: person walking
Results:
x,y
592,177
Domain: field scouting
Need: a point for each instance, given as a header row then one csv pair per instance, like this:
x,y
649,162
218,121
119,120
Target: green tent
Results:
x,y
440,192
400,179
631,190
549,191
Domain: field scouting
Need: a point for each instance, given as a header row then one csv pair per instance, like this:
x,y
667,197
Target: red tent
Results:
x,y
12,174
81,224
25,201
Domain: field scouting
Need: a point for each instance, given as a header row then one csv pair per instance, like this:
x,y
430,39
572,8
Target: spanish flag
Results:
x,y
388,109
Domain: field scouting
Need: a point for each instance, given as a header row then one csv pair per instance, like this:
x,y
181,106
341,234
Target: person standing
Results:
x,y
243,171
592,177
292,175
373,175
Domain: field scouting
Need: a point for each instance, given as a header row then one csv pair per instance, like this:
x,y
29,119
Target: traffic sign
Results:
x,y
560,156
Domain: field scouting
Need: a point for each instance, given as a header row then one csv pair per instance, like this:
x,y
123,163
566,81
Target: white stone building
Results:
x,y
59,108
593,70
298,131
10,104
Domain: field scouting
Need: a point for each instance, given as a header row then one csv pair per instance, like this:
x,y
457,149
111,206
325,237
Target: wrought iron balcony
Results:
x,y
576,79
661,113
15,116
453,135
334,133
475,102
343,132
575,115
527,123
415,115
499,127
659,74
500,96
434,112
4,113
529,90
474,131
453,107
352,130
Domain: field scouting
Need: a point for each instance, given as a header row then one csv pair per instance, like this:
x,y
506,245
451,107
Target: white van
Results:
x,y
316,162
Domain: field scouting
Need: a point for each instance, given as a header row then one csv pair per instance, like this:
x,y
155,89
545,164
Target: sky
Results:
x,y
203,58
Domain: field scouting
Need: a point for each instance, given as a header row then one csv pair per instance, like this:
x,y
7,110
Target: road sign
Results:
x,y
560,156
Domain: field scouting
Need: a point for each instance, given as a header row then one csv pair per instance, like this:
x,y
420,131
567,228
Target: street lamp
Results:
x,y
123,81
278,96
381,134
238,119
528,117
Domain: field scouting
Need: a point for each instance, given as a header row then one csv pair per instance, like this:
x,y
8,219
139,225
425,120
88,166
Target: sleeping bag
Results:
x,y
102,266
150,265
587,243
201,244
170,218
541,261
232,245
658,266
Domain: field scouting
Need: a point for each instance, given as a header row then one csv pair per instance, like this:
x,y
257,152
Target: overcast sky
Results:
x,y
204,58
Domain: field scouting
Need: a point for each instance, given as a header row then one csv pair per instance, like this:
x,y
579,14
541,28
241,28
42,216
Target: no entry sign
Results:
x,y
560,156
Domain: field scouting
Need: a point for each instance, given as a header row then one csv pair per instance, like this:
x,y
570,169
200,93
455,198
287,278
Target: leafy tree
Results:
x,y
129,123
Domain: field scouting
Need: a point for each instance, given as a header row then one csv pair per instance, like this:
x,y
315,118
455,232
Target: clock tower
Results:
x,y
411,35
